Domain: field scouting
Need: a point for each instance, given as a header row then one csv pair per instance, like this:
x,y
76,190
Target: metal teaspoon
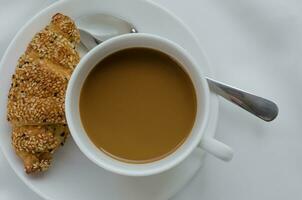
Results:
x,y
96,28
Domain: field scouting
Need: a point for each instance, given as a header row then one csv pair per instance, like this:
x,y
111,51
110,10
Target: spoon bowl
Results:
x,y
103,26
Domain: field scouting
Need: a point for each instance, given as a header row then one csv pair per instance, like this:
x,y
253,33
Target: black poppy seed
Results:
x,y
62,134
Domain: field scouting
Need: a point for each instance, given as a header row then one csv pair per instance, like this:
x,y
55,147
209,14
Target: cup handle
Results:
x,y
216,148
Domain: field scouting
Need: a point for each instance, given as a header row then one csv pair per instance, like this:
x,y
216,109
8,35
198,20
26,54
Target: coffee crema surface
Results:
x,y
138,105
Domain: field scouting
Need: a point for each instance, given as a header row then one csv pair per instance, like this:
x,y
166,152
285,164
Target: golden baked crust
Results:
x,y
39,80
36,144
37,94
39,139
66,27
36,111
35,162
54,47
36,98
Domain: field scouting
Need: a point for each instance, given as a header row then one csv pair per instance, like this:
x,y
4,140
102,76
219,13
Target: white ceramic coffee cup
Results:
x,y
195,138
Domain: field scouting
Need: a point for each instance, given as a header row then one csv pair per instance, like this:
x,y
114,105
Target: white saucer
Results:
x,y
73,176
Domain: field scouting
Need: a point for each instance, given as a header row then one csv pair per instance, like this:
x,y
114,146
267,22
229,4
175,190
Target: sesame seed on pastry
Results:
x,y
36,98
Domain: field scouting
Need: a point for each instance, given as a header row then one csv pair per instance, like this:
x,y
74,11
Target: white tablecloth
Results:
x,y
253,44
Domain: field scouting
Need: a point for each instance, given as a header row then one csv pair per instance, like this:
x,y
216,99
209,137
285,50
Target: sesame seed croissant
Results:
x,y
36,98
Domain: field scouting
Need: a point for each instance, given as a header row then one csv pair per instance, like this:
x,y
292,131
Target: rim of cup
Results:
x,y
108,47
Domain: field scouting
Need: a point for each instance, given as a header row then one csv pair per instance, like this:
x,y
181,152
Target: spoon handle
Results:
x,y
260,107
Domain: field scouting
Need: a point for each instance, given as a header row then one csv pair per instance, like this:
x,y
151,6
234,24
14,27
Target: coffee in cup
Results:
x,y
138,105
